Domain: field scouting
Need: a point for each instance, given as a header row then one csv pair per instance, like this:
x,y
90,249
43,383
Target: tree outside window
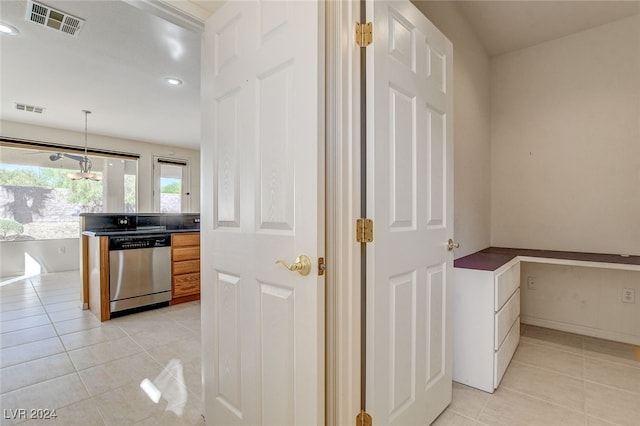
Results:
x,y
39,202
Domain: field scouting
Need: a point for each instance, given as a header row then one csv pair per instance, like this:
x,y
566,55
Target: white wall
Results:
x,y
12,253
565,118
566,173
52,255
581,300
472,162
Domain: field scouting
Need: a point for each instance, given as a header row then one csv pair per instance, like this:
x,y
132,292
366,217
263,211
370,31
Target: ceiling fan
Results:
x,y
83,161
59,155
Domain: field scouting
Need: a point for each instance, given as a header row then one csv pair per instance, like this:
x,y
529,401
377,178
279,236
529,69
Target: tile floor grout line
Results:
x,y
608,361
584,385
608,421
34,359
50,323
26,328
484,406
532,341
154,358
627,391
66,352
50,380
584,373
77,372
164,367
19,309
553,404
19,318
113,359
545,369
75,367
462,415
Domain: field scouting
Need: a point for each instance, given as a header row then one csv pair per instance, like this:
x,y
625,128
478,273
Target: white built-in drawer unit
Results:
x,y
486,324
505,317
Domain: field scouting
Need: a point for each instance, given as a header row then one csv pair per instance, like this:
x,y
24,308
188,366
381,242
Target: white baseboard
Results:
x,y
579,329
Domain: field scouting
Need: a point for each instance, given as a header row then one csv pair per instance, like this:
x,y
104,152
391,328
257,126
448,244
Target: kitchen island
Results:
x,y
139,261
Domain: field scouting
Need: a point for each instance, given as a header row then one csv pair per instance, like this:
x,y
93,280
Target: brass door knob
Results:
x,y
451,245
302,265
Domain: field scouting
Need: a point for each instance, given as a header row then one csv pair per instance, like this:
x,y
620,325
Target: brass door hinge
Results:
x,y
364,419
364,34
364,230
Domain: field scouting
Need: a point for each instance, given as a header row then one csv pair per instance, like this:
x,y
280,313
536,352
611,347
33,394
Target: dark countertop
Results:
x,y
492,258
138,214
483,261
142,232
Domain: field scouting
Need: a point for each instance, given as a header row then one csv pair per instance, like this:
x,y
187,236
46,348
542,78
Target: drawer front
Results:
x,y
185,240
185,253
506,283
185,285
186,267
505,318
505,353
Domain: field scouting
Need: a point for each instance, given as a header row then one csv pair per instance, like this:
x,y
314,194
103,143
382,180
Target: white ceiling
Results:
x,y
117,65
505,26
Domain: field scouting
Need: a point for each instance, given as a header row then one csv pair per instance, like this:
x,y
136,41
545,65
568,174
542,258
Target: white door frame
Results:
x,y
343,297
343,197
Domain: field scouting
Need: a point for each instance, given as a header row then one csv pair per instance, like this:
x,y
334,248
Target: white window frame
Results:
x,y
185,198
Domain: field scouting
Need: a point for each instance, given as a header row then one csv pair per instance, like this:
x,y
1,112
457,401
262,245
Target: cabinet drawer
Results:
x,y
505,353
186,267
505,318
185,253
185,285
185,240
506,283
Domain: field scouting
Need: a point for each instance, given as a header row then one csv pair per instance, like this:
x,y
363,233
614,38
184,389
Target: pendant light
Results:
x,y
85,163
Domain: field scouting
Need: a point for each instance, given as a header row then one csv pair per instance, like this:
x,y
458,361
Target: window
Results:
x,y
171,191
38,200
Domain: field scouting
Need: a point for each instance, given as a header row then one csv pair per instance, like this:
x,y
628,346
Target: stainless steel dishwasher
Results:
x,y
139,271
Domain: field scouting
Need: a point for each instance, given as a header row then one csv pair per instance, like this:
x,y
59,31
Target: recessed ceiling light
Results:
x,y
8,29
174,81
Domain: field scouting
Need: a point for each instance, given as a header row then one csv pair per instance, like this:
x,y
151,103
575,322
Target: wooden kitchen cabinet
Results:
x,y
95,261
185,267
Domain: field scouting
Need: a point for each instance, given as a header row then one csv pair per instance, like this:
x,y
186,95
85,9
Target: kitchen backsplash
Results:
x,y
139,221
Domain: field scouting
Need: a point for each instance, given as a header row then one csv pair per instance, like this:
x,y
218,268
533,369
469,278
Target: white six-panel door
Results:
x,y
409,196
262,201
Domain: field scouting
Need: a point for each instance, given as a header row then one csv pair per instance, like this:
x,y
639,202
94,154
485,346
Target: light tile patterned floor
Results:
x,y
557,378
54,355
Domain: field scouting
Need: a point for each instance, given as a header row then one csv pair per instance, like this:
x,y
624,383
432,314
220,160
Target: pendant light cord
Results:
x,y
86,114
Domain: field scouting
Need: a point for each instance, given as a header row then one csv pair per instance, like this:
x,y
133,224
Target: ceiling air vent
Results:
x,y
52,18
29,108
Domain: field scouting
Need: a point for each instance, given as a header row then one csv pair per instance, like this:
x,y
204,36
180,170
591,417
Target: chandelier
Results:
x,y
84,162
